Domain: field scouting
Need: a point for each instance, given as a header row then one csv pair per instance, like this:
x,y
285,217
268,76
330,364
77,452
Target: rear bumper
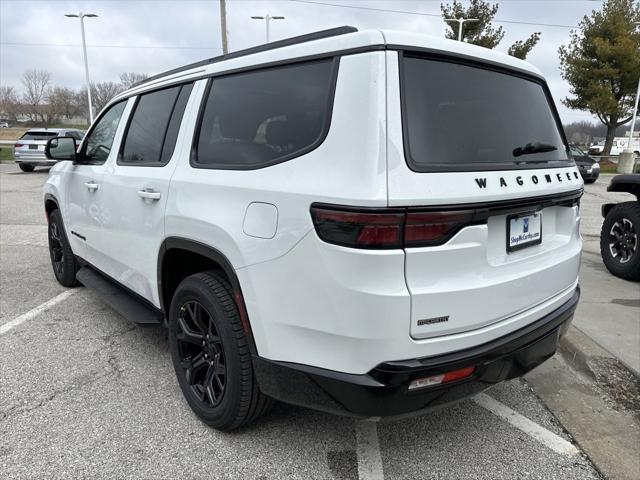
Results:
x,y
383,392
38,161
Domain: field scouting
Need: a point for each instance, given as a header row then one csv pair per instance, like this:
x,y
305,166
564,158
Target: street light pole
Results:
x,y
81,16
223,26
267,18
460,23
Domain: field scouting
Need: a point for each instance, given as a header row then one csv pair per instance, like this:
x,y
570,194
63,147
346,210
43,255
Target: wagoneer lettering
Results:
x,y
300,215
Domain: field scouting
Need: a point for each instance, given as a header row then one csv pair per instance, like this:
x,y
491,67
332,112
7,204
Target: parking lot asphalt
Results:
x,y
83,393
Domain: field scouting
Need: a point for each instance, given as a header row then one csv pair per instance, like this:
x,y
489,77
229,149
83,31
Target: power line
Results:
x,y
172,47
424,14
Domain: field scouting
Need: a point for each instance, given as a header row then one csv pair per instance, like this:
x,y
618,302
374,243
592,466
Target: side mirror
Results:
x,y
61,148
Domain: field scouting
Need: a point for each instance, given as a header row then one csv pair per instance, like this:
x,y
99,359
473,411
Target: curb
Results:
x,y
585,355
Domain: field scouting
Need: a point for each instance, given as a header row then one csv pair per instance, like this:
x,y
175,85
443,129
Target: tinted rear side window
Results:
x,y
462,117
149,123
39,135
255,119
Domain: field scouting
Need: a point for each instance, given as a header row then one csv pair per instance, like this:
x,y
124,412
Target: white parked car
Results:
x,y
29,150
370,223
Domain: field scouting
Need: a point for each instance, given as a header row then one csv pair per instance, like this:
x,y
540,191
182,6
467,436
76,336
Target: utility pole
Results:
x,y
82,16
223,26
461,22
267,18
627,159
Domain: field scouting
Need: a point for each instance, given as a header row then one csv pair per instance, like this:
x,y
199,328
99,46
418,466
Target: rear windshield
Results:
x,y
464,118
38,135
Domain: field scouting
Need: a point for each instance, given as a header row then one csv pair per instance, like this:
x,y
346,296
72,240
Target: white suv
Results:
x,y
369,223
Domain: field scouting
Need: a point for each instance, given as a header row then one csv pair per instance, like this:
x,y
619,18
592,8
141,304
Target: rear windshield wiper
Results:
x,y
534,147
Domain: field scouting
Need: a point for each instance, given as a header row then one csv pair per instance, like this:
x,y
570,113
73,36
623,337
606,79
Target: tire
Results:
x,y
592,180
620,240
25,167
63,261
211,354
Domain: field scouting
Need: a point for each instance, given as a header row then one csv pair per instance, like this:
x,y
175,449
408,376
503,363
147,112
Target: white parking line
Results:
x,y
544,436
368,451
5,328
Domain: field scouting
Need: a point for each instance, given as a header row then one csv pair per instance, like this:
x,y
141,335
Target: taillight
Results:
x,y
387,228
18,145
428,228
357,229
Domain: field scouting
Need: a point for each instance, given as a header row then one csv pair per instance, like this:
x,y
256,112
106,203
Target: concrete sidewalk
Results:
x,y
609,309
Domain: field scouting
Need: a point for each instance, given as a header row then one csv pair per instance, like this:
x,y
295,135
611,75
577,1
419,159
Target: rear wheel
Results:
x,y
211,354
25,167
619,240
62,259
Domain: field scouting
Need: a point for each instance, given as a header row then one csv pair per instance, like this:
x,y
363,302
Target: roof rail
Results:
x,y
332,32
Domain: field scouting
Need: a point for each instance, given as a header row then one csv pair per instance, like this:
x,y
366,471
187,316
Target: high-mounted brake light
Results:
x,y
386,228
442,378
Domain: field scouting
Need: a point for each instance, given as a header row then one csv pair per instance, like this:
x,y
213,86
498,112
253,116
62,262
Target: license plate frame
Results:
x,y
536,216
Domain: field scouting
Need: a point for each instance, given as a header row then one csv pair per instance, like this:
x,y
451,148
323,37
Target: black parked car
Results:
x,y
588,167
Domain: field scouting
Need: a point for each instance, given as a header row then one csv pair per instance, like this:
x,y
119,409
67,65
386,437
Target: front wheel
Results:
x,y
25,167
211,355
62,259
619,240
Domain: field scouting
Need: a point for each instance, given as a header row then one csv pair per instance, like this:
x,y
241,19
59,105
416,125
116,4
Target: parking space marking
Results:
x,y
368,451
34,312
541,434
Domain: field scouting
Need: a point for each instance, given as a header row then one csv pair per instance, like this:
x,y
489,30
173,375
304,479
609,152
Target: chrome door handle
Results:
x,y
91,186
149,194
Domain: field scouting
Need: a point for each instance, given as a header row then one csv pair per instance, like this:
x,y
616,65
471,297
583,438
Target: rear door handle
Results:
x,y
91,186
149,194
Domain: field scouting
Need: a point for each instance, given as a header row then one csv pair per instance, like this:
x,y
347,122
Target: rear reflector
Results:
x,y
442,378
387,228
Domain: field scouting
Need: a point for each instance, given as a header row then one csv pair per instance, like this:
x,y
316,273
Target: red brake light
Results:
x,y
387,228
18,145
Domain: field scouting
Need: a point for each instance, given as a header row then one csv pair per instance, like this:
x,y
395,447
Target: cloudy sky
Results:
x,y
153,35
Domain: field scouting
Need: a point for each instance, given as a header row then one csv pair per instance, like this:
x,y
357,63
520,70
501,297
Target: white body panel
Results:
x,y
315,303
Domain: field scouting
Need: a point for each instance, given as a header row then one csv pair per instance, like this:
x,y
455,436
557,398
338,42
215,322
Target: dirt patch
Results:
x,y
621,386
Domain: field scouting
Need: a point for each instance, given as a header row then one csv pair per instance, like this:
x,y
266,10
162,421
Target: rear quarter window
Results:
x,y
464,117
255,119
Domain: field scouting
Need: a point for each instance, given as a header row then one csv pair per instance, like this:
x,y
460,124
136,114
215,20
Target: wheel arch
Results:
x,y
50,204
180,257
628,183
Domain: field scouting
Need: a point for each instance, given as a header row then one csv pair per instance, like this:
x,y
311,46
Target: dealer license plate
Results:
x,y
524,230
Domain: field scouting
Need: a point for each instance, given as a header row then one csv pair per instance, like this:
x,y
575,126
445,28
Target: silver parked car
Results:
x,y
29,150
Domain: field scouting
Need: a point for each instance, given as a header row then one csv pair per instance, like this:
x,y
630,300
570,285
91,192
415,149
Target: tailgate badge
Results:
x,y
430,321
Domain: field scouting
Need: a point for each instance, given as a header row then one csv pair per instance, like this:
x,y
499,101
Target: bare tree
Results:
x,y
10,106
128,79
36,85
101,93
62,102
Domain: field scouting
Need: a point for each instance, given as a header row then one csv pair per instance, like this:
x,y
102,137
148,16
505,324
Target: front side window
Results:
x,y
465,117
153,129
259,118
98,142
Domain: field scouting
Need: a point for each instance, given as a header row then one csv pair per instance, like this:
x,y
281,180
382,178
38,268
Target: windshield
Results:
x,y
576,152
461,117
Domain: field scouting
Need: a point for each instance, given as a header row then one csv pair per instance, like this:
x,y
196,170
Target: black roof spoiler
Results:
x,y
332,32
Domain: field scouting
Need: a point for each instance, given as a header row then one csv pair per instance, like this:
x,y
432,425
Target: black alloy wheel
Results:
x,y
211,353
201,353
63,261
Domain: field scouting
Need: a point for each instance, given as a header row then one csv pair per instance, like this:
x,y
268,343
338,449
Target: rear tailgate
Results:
x,y
482,140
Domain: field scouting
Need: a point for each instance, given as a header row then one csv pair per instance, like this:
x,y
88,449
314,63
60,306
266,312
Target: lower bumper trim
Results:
x,y
383,392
